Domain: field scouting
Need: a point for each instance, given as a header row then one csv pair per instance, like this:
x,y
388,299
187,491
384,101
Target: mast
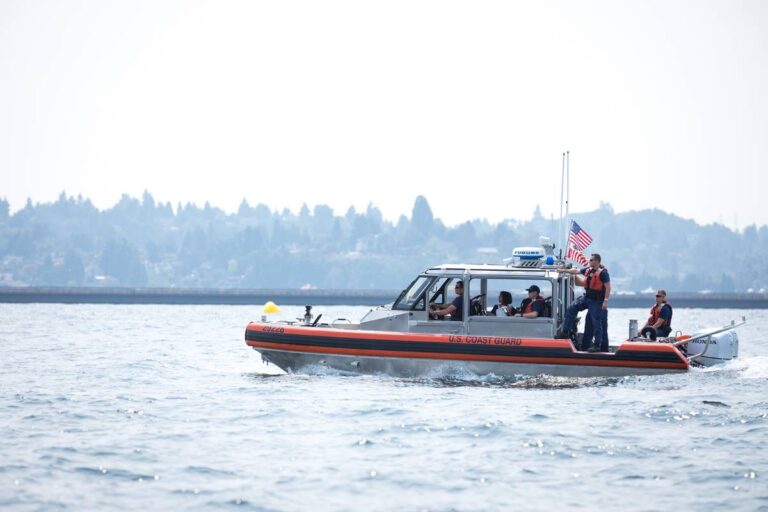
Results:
x,y
567,188
560,233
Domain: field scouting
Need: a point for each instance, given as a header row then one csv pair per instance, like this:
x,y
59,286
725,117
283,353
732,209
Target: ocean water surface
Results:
x,y
106,407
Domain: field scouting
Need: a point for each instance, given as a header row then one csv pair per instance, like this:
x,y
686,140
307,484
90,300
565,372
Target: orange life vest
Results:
x,y
528,304
656,311
593,284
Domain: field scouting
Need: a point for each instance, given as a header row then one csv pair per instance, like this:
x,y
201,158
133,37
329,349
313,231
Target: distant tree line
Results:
x,y
140,242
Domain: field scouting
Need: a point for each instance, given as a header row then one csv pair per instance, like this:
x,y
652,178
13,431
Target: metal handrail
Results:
x,y
709,335
732,325
706,347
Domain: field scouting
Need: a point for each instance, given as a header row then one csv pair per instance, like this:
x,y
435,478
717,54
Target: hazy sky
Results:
x,y
661,103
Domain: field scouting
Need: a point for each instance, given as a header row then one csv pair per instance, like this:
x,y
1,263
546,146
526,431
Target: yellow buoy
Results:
x,y
271,307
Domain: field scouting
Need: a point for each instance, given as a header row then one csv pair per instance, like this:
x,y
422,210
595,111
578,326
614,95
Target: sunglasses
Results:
x,y
659,296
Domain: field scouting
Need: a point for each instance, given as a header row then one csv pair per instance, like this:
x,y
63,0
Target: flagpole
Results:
x,y
568,180
560,232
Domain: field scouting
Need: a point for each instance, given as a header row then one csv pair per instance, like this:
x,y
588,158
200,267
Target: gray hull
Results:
x,y
298,362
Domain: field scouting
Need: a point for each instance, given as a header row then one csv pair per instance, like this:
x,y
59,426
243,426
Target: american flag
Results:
x,y
577,256
579,238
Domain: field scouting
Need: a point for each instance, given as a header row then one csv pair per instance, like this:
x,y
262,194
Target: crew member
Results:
x,y
455,308
597,284
533,305
589,336
661,316
504,307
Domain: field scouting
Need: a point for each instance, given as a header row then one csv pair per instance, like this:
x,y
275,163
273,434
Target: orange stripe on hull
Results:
x,y
453,339
603,361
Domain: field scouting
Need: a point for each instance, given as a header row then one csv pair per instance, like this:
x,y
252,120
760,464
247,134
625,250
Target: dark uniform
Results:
x,y
530,305
663,311
593,301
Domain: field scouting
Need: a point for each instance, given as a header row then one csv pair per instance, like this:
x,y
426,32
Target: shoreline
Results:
x,y
217,296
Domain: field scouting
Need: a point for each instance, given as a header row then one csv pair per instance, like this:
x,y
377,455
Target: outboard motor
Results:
x,y
714,349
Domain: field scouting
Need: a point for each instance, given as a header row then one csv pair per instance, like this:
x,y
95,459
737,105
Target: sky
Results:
x,y
662,104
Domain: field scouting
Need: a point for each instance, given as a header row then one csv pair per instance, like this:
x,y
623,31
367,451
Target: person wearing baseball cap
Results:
x,y
533,305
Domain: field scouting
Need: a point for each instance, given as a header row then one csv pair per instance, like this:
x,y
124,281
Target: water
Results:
x,y
164,407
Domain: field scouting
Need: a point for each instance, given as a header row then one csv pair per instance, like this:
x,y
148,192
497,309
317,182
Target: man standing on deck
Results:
x,y
597,284
588,336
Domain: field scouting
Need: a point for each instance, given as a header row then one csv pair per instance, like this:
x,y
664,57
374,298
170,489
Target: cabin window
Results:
x,y
414,296
487,291
438,291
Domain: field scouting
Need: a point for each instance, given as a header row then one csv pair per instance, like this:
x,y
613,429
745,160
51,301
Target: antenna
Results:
x,y
567,183
567,188
560,233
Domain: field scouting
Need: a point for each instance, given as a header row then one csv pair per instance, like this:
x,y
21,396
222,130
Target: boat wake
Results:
x,y
755,367
452,376
321,370
524,382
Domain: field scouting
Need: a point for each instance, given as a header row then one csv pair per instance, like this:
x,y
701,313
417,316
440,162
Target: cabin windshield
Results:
x,y
413,298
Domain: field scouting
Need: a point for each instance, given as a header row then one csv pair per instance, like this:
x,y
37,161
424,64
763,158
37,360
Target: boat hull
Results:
x,y
297,362
303,349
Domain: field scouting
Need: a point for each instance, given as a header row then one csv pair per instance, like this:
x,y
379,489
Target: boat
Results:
x,y
404,339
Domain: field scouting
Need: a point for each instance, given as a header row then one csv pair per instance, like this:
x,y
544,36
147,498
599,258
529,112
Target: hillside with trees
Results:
x,y
143,243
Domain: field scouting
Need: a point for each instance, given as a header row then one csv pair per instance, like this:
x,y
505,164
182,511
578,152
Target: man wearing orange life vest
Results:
x,y
661,316
533,306
597,284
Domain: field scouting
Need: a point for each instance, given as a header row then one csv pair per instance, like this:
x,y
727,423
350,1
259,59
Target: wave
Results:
x,y
458,376
755,367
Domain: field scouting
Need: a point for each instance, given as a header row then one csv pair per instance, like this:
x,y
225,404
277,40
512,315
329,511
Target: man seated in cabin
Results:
x,y
504,307
455,308
533,305
661,317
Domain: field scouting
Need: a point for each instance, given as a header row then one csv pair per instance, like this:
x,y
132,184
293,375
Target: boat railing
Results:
x,y
709,334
